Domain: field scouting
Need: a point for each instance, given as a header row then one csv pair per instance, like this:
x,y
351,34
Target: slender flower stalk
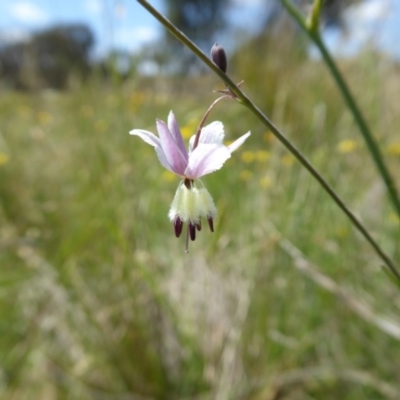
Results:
x,y
197,136
243,99
311,28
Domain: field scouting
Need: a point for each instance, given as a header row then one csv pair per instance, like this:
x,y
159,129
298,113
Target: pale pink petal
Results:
x,y
212,134
238,142
206,158
163,160
147,137
172,152
154,141
176,134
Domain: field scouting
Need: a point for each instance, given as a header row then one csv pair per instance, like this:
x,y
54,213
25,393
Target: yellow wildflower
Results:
x,y
248,156
168,176
265,182
187,132
342,232
44,118
262,155
190,128
394,218
393,149
3,158
287,160
268,137
347,146
245,175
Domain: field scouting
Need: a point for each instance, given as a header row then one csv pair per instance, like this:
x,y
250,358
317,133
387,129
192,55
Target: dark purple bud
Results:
x,y
219,57
178,224
210,223
192,230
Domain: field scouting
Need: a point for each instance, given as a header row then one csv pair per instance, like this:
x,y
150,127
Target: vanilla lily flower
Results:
x,y
190,204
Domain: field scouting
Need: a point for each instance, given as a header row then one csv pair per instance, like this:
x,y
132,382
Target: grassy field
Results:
x,y
283,301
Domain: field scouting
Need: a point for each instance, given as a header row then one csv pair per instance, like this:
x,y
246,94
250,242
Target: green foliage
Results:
x,y
98,299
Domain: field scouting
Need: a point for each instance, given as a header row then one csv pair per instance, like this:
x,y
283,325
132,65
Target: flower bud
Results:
x,y
219,57
314,17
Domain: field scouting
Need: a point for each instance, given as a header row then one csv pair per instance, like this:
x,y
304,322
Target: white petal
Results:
x,y
238,142
212,133
206,158
147,137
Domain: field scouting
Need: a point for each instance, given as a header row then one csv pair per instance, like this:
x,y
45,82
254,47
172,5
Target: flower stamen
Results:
x,y
210,223
178,225
198,225
192,231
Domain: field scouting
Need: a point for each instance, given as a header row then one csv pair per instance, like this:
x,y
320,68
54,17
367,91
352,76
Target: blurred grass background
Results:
x,y
284,301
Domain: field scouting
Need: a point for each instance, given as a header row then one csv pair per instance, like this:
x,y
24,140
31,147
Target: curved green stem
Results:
x,y
351,103
242,98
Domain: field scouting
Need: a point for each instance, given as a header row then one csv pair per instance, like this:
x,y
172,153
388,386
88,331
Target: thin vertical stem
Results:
x,y
351,104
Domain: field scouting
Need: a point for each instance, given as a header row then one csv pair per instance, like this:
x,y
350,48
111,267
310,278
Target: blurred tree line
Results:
x,y
49,59
206,21
57,55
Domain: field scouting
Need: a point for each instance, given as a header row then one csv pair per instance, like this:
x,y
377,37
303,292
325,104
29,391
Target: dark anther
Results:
x,y
198,225
218,55
210,223
192,230
178,224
